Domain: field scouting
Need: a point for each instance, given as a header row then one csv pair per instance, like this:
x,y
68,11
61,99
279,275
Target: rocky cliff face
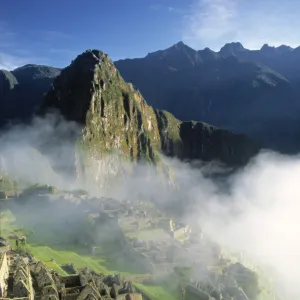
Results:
x,y
116,119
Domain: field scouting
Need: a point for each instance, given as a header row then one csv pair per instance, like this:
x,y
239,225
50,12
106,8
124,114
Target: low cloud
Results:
x,y
254,211
257,215
11,62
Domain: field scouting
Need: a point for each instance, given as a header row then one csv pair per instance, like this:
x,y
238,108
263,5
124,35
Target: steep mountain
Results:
x,y
228,89
254,92
21,90
116,118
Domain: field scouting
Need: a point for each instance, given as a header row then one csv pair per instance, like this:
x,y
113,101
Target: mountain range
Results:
x,y
116,118
252,92
243,91
21,91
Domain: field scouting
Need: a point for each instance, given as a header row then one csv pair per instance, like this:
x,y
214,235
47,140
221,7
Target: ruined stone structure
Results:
x,y
167,224
15,277
180,231
21,279
175,230
4,273
22,282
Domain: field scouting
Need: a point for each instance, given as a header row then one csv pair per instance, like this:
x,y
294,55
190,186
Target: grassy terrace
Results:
x,y
156,292
55,256
46,254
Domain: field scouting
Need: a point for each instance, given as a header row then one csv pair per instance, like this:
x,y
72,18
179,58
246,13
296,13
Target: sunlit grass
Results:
x,y
155,292
45,254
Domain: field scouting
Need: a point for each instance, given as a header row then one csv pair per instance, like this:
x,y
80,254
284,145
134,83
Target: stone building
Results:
x,y
15,278
22,279
180,231
22,282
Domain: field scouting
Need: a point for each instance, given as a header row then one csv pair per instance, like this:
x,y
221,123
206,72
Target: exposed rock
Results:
x,y
116,119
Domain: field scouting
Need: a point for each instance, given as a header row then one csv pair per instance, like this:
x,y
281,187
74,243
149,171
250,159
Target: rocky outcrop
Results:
x,y
116,118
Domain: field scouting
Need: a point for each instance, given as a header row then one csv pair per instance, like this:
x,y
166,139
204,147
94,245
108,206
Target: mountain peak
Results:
x,y
93,54
92,57
90,71
35,71
206,49
284,49
266,46
207,54
266,49
180,44
114,116
232,49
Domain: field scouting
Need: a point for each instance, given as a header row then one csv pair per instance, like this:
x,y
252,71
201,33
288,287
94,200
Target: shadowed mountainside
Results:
x,y
21,91
115,117
238,89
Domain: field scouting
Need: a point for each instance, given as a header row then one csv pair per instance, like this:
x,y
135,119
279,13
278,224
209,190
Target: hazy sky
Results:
x,y
54,32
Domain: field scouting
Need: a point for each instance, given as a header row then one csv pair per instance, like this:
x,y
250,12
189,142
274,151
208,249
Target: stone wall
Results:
x,y
181,231
22,281
89,289
4,273
70,281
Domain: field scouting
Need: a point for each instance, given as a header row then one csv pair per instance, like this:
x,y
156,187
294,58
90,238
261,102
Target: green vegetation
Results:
x,y
46,254
55,267
8,187
155,292
7,224
118,121
39,189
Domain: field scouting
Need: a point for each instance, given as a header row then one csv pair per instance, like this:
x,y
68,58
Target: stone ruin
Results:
x,y
20,278
15,277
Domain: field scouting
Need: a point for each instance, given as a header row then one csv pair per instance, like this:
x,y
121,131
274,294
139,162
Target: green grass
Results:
x,y
61,257
56,255
55,267
8,226
155,292
45,254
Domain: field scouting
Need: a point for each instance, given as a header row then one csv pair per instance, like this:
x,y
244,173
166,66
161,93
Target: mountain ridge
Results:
x,y
219,89
244,91
116,116
21,91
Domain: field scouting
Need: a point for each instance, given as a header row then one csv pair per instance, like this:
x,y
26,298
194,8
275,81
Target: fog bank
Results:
x,y
255,210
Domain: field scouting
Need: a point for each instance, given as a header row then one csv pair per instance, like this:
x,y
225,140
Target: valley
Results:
x,y
104,195
149,150
134,240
